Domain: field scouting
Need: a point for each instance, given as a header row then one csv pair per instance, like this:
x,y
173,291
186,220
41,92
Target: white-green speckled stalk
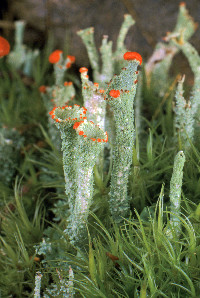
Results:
x,y
184,117
64,118
38,278
122,107
57,96
89,142
87,36
18,56
21,55
107,62
121,48
194,60
111,62
175,191
157,67
93,101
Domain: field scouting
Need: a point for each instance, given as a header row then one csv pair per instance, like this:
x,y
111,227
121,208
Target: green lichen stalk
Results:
x,y
120,95
21,55
64,118
93,100
87,36
107,62
38,278
111,62
175,190
194,60
89,143
120,48
157,67
18,56
184,116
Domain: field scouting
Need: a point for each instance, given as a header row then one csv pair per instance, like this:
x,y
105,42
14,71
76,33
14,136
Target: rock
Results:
x,y
65,17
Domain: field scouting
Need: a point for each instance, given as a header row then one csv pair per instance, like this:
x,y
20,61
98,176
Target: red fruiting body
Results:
x,y
114,93
55,56
182,4
98,140
135,81
42,89
136,72
83,69
93,139
4,47
68,65
52,112
133,56
81,133
101,91
67,83
76,125
96,85
71,58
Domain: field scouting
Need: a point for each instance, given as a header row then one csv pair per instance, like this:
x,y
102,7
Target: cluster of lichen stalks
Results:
x,y
82,143
83,140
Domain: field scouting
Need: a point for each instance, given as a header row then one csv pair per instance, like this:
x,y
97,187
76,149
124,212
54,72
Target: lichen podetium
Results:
x,y
120,95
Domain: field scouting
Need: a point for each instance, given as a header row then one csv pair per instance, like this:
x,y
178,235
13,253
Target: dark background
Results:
x,y
63,18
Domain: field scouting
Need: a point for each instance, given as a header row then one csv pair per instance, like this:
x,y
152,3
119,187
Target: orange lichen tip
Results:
x,y
71,58
114,93
76,125
55,56
83,69
43,89
68,65
67,83
133,56
4,47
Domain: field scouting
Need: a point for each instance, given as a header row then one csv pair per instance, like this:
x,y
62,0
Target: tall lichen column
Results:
x,y
64,118
120,95
184,117
175,191
89,143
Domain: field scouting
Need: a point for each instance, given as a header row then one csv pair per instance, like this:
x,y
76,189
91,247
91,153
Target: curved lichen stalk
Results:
x,y
120,95
184,116
157,67
111,62
194,60
89,143
64,118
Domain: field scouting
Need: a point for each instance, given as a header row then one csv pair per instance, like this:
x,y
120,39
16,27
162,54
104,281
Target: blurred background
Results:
x,y
63,18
